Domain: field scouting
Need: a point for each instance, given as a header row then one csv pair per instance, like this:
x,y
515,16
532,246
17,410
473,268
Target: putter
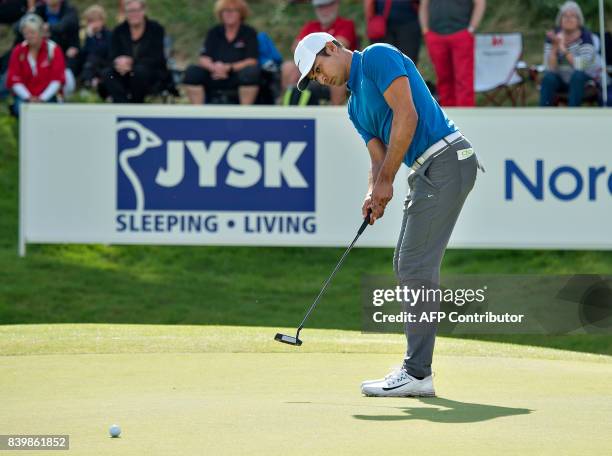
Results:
x,y
296,340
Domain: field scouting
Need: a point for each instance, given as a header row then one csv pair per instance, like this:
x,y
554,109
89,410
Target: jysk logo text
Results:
x,y
170,165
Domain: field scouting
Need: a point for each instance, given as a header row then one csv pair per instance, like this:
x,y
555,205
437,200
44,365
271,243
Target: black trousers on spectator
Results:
x,y
405,36
74,64
248,76
131,87
93,67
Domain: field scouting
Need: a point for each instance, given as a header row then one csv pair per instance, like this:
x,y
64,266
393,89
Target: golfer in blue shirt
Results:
x,y
399,121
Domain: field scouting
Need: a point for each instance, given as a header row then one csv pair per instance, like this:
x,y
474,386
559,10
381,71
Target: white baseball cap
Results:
x,y
306,53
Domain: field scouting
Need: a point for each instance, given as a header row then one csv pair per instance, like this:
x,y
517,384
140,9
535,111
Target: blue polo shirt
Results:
x,y
372,71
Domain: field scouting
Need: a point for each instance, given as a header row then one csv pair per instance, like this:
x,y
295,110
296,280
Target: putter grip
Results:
x,y
366,222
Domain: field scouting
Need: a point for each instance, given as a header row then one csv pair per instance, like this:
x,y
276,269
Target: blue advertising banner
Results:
x,y
170,164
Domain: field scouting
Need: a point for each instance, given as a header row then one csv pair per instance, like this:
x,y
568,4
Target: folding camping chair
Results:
x,y
498,57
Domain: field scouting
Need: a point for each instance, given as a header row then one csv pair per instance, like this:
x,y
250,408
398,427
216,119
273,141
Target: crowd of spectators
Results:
x,y
54,51
49,58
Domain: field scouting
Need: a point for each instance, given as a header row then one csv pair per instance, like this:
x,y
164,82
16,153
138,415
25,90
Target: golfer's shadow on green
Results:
x,y
448,411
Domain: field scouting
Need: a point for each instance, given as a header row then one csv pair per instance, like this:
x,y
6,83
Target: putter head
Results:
x,y
287,339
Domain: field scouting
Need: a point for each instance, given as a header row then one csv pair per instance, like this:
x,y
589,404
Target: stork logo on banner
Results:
x,y
172,165
143,139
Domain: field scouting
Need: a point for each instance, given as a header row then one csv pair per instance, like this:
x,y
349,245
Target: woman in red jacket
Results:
x,y
36,69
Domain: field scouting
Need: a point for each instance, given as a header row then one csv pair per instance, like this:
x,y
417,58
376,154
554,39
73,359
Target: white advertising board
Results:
x,y
227,175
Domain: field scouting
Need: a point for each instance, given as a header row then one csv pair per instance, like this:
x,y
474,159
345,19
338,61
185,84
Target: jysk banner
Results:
x,y
166,166
216,164
276,176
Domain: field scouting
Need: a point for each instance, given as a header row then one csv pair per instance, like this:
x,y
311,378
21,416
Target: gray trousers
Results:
x,y
438,190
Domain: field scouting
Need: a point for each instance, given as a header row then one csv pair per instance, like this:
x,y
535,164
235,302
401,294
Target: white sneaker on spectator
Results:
x,y
400,383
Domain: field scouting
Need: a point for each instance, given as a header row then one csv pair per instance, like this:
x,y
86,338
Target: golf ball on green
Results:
x,y
114,430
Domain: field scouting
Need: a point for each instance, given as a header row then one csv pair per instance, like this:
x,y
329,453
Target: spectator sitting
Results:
x,y
403,28
448,27
62,26
10,12
95,54
137,55
569,57
328,21
36,68
229,58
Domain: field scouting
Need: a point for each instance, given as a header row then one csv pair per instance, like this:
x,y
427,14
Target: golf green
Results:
x,y
189,390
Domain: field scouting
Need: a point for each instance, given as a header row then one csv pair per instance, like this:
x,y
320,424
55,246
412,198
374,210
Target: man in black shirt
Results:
x,y
229,57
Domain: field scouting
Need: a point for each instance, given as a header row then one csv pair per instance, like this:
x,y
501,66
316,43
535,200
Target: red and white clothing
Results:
x,y
340,28
40,77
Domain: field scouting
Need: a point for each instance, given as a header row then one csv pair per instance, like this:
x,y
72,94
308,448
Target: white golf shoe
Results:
x,y
399,383
393,369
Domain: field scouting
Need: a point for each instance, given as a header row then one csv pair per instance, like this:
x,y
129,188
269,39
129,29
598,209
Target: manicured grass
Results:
x,y
229,390
81,338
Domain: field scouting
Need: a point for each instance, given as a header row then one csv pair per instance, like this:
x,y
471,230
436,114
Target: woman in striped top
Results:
x,y
569,57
